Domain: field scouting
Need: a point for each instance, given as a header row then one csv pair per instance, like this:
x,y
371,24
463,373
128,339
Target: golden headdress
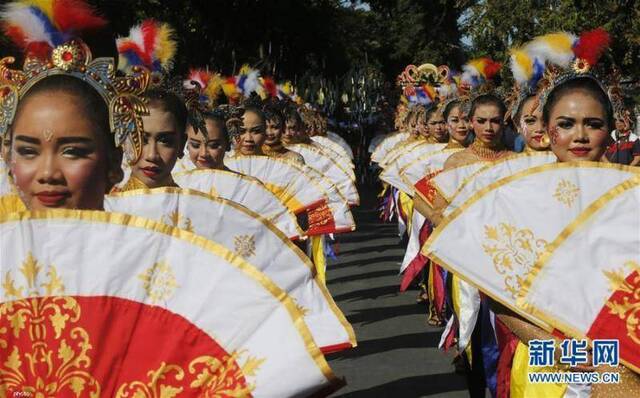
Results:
x,y
420,83
45,31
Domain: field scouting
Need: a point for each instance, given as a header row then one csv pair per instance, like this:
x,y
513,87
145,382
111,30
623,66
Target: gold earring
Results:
x,y
545,140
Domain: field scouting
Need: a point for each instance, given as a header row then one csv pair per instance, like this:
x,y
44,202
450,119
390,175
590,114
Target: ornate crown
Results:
x,y
49,54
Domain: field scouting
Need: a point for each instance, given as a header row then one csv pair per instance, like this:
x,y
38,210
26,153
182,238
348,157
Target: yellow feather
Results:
x,y
229,90
245,69
46,6
166,45
558,41
522,66
287,88
479,64
214,87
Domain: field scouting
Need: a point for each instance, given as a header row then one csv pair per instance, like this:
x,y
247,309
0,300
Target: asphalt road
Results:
x,y
397,354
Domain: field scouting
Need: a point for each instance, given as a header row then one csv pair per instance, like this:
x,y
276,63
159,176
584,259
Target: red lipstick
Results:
x,y
52,198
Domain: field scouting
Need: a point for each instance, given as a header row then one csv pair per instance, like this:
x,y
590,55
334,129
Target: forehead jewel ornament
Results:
x,y
48,135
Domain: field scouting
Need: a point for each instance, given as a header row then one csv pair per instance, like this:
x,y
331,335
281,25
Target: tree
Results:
x,y
494,26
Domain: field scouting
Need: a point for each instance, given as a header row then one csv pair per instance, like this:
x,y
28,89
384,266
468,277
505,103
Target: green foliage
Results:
x,y
298,39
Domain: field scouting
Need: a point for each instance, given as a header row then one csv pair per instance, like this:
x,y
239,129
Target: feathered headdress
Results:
x,y
230,89
201,91
209,84
285,90
46,30
150,44
248,81
477,78
545,61
587,50
421,84
478,74
269,88
37,27
529,62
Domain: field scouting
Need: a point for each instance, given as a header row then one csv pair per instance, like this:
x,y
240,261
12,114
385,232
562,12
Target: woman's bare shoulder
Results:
x,y
458,159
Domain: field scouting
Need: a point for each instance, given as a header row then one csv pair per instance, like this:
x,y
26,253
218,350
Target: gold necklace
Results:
x,y
453,144
486,152
273,150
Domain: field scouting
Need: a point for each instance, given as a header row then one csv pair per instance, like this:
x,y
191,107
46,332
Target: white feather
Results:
x,y
194,77
468,74
518,72
20,15
447,90
542,50
252,83
135,34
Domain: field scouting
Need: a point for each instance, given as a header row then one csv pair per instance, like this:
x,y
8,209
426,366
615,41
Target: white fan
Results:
x,y
244,190
251,237
106,304
316,159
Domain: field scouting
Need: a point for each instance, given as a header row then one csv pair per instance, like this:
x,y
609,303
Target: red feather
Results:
x,y
129,45
16,34
76,15
39,49
201,76
592,45
492,68
149,28
270,87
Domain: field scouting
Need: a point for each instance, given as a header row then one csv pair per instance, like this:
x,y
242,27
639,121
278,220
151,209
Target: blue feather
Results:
x,y
538,71
132,58
55,36
157,66
241,82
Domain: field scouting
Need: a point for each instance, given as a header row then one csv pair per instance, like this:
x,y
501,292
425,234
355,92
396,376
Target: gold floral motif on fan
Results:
x,y
59,350
628,306
244,245
513,252
566,192
175,219
213,377
159,282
